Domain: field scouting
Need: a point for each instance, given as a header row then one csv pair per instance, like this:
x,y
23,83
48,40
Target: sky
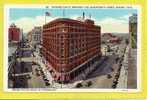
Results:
x,y
112,20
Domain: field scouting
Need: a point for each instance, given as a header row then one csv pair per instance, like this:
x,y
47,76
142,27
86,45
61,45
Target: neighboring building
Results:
x,y
104,49
34,36
132,60
15,33
29,37
133,30
110,38
71,46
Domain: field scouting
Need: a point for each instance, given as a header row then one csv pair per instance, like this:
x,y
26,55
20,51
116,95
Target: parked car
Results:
x,y
114,86
115,82
45,79
109,76
28,76
47,84
79,85
37,73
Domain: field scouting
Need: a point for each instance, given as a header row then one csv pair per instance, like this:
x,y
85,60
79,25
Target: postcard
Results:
x,y
73,50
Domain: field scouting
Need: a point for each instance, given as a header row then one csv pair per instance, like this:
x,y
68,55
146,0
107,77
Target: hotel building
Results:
x,y
71,46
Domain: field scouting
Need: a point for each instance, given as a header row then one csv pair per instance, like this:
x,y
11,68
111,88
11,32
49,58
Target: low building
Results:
x,y
110,38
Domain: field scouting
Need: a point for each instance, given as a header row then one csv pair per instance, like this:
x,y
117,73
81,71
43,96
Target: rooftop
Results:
x,y
85,21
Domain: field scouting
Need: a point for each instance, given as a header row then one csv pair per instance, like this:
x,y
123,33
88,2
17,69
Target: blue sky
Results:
x,y
16,13
108,18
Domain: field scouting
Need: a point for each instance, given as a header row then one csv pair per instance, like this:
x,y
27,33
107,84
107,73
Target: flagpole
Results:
x,y
46,8
45,17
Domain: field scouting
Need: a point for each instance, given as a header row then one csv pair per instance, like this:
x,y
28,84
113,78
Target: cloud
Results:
x,y
108,24
74,16
125,17
78,16
28,23
113,25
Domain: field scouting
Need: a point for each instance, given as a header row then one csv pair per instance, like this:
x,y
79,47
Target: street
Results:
x,y
28,75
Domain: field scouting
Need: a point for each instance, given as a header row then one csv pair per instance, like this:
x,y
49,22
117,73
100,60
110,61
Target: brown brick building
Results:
x,y
71,46
15,33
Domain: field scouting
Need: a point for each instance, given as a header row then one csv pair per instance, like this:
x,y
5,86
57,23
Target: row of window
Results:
x,y
72,25
73,48
72,35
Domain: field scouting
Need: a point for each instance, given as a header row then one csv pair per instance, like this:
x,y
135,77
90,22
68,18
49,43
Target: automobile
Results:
x,y
37,73
89,83
43,76
109,76
33,63
28,76
115,79
41,71
79,85
39,68
47,84
115,82
117,76
111,69
45,79
114,86
36,69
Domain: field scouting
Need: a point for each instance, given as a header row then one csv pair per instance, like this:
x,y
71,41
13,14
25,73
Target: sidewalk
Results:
x,y
132,69
83,75
54,84
39,60
123,78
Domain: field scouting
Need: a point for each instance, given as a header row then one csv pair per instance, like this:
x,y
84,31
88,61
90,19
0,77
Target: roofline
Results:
x,y
67,19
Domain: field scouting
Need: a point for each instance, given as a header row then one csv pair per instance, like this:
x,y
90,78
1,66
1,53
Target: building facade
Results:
x,y
71,46
34,36
15,33
132,59
110,38
133,30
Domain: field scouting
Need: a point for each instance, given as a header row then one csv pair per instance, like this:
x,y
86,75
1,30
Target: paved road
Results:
x,y
36,81
104,68
20,82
